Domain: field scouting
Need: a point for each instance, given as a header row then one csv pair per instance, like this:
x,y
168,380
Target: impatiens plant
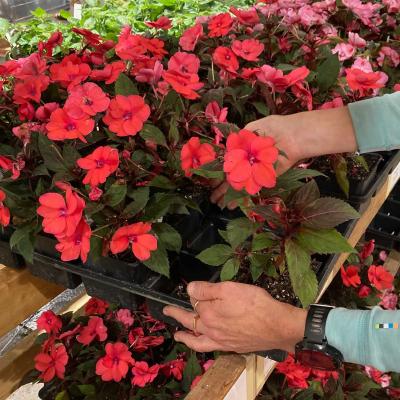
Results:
x,y
107,147
111,353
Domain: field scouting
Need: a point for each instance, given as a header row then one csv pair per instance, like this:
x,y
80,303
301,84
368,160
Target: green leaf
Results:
x,y
51,154
115,194
158,261
88,390
302,277
25,247
70,155
340,169
306,394
307,194
212,170
40,170
140,197
39,12
223,234
323,241
169,236
258,264
233,195
238,230
124,86
261,107
162,182
328,72
327,212
215,255
262,241
230,269
151,132
62,395
173,133
191,370
295,174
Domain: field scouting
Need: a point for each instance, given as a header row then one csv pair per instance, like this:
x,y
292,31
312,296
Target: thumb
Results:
x,y
204,291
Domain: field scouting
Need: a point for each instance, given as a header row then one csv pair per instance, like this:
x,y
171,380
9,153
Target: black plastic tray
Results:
x,y
386,231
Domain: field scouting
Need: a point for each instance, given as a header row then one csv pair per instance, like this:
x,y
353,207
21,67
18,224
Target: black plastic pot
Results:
x,y
9,258
386,232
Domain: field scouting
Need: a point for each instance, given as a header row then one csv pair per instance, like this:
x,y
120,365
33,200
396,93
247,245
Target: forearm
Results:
x,y
356,335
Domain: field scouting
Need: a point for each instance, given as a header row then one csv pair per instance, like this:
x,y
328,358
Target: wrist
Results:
x,y
293,327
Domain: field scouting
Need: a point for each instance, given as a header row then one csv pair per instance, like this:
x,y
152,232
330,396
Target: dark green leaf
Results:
x,y
140,197
261,107
232,195
258,264
305,195
215,255
191,370
70,155
340,169
51,154
307,394
124,86
262,241
212,170
158,261
230,269
327,212
40,170
302,277
151,132
328,72
296,174
170,238
238,230
115,194
88,390
173,133
323,241
62,395
162,182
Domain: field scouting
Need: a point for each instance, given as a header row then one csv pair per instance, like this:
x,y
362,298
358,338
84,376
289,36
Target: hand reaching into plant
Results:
x,y
239,318
301,136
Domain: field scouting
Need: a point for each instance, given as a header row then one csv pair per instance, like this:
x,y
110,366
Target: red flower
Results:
x,y
184,84
70,72
246,17
273,78
174,368
150,75
63,126
143,374
162,23
44,112
350,276
110,73
61,216
296,374
141,343
190,37
297,75
215,114
323,376
4,211
364,291
92,38
304,95
55,39
32,67
185,63
126,115
26,112
195,154
249,49
95,328
225,58
220,25
124,316
77,245
49,322
68,335
30,90
115,364
363,81
96,306
380,277
86,99
367,250
137,235
249,161
52,364
100,165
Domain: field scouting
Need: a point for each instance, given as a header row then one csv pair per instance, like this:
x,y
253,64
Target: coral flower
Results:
x,y
4,211
110,73
249,49
52,364
63,126
273,78
363,81
43,113
367,250
143,374
190,37
115,364
94,329
30,90
137,235
184,84
174,368
86,99
195,154
296,374
350,276
163,23
249,161
96,306
225,58
61,216
126,115
246,17
184,63
77,245
49,322
100,165
380,277
220,25
214,113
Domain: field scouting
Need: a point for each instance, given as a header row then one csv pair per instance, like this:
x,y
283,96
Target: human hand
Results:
x,y
239,318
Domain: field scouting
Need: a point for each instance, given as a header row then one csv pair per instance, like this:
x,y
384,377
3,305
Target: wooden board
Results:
x,y
17,362
21,294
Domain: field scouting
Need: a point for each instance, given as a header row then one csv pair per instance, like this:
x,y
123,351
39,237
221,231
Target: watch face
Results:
x,y
316,359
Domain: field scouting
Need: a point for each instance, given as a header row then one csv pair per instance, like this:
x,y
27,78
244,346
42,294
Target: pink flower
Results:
x,y
389,300
344,51
150,75
356,40
391,56
124,316
143,374
383,254
335,103
273,78
215,114
190,37
94,329
377,376
184,63
95,193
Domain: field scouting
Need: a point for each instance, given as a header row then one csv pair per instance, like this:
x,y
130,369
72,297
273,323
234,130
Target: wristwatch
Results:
x,y
314,350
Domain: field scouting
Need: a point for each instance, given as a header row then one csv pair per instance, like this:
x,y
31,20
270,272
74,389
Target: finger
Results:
x,y
215,183
219,192
232,205
204,290
185,318
200,305
200,343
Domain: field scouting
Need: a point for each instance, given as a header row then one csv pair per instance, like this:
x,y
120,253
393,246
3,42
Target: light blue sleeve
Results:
x,y
376,122
356,334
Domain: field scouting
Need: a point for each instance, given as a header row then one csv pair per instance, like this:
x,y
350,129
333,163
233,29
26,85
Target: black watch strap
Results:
x,y
315,323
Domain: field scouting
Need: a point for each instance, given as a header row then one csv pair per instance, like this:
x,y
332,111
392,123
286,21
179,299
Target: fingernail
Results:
x,y
190,288
165,310
176,337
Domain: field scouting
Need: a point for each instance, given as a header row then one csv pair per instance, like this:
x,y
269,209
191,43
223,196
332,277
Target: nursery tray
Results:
x,y
385,230
8,257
